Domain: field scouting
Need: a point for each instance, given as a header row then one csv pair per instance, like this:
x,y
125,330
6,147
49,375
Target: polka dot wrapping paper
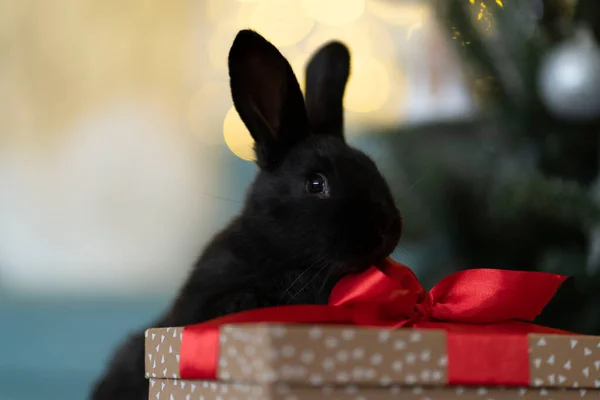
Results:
x,y
168,389
259,361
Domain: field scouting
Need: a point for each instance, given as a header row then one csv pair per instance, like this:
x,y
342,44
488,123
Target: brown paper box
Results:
x,y
169,389
318,355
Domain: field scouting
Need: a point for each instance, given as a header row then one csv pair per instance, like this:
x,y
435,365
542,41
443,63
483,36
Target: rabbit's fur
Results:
x,y
290,244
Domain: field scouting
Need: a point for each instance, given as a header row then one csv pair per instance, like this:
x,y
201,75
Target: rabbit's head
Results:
x,y
315,197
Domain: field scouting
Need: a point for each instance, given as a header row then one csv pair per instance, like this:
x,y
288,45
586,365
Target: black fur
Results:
x,y
288,246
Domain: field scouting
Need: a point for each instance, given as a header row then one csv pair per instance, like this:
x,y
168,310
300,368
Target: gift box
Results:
x,y
381,335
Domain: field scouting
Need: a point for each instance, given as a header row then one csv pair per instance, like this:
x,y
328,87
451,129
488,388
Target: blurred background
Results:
x,y
121,154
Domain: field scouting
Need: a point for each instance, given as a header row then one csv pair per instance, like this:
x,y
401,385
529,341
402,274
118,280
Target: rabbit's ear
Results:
x,y
326,77
267,97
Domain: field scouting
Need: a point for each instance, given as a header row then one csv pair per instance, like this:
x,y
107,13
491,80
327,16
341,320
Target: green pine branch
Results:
x,y
561,201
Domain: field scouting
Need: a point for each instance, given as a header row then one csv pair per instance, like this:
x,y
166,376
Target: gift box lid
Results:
x,y
324,354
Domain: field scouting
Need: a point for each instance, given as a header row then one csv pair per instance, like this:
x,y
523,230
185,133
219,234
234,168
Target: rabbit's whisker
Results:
x,y
222,198
294,281
311,266
415,184
310,281
405,251
329,275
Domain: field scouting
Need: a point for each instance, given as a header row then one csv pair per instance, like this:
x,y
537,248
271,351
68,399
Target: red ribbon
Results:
x,y
486,314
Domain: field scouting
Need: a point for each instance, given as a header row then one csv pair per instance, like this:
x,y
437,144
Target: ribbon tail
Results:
x,y
481,296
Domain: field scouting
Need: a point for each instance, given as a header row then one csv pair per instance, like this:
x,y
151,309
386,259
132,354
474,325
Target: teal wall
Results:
x,y
54,350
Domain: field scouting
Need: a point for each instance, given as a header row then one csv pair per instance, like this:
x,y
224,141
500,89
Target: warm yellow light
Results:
x,y
361,37
334,12
237,137
219,44
385,117
282,22
392,113
225,11
209,102
299,64
369,85
216,10
412,29
399,14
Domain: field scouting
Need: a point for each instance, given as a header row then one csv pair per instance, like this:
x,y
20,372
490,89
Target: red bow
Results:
x,y
480,302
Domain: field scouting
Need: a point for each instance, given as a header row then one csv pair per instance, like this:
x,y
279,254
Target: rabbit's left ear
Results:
x,y
326,78
267,97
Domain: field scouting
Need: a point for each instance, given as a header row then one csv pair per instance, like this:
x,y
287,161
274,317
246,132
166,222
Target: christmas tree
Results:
x,y
519,187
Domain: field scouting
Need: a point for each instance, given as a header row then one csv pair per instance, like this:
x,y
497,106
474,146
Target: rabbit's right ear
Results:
x,y
326,77
267,97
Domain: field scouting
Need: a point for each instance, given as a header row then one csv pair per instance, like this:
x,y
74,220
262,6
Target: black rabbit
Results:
x,y
318,209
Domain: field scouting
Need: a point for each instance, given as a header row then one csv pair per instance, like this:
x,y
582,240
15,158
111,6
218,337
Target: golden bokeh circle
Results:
x,y
351,35
299,63
365,36
216,10
400,14
334,12
219,44
393,111
282,22
236,135
208,102
369,85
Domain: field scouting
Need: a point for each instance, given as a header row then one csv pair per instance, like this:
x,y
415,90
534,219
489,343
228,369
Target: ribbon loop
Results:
x,y
476,296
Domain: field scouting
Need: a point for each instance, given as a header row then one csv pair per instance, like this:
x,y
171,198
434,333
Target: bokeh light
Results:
x,y
237,137
209,102
334,12
361,37
375,31
299,63
216,10
219,44
397,13
393,110
369,85
284,22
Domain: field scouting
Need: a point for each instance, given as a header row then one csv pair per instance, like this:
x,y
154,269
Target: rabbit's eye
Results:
x,y
317,184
